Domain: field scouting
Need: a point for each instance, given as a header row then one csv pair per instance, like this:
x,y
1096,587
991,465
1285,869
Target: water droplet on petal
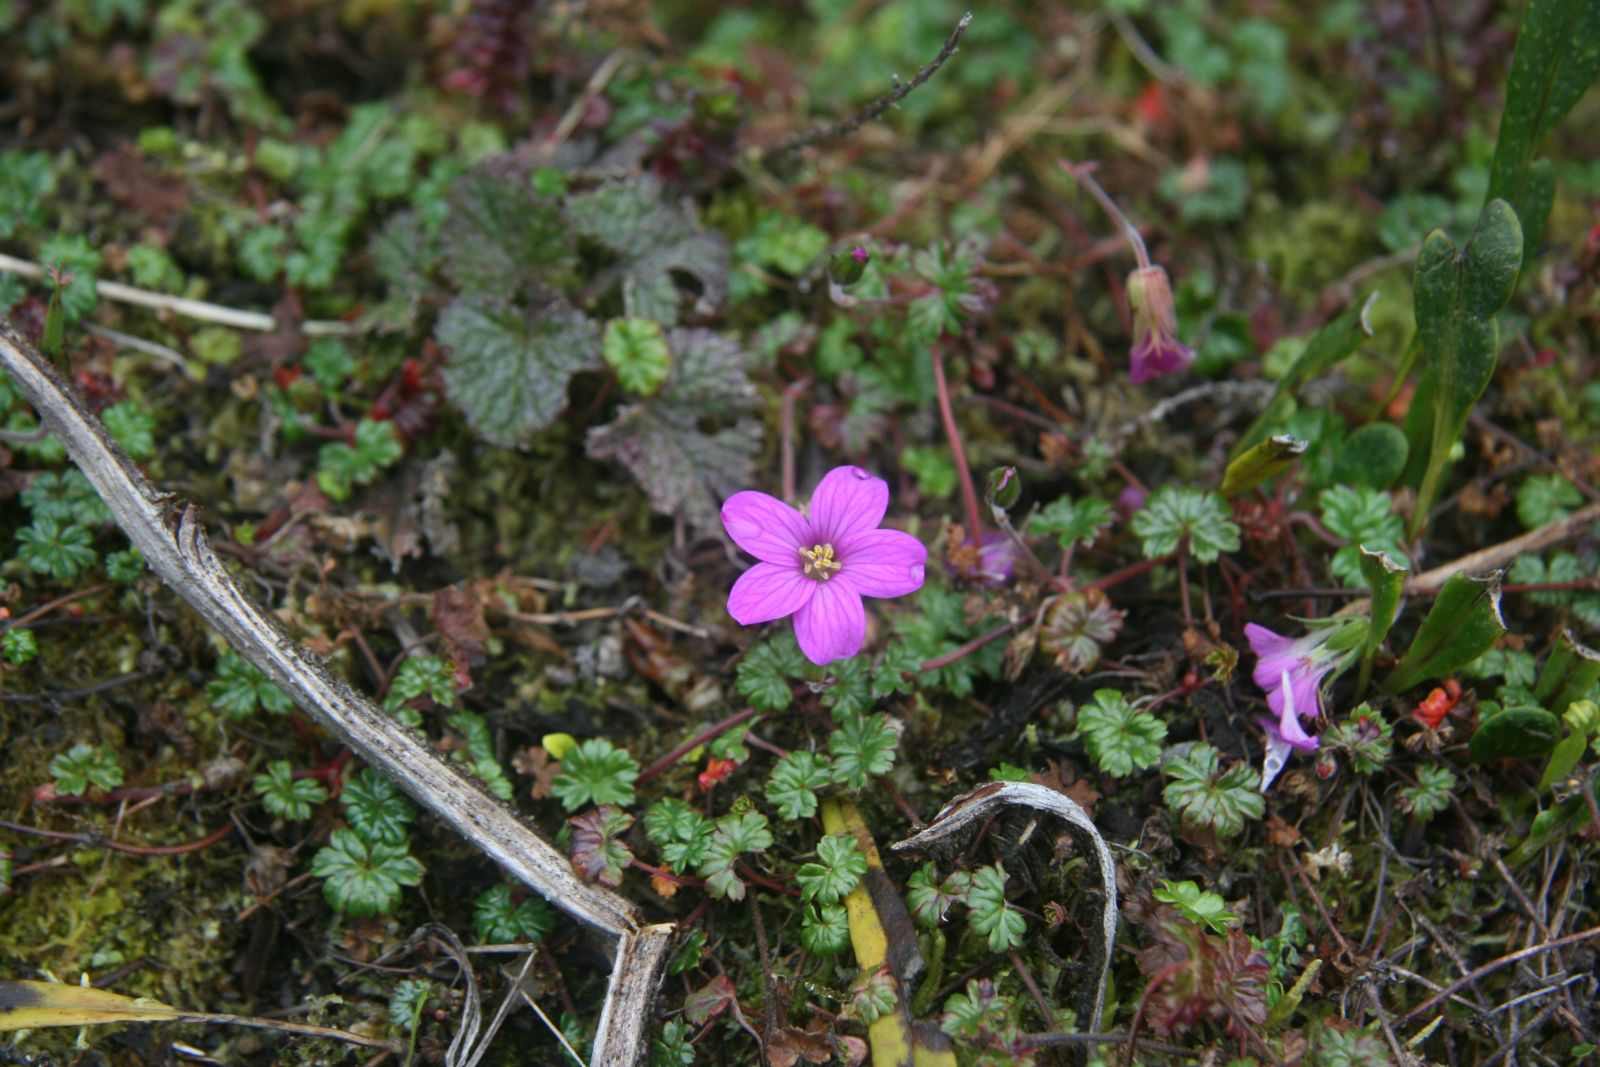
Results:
x,y
917,571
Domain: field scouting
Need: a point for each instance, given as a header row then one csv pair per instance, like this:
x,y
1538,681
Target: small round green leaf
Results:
x,y
637,351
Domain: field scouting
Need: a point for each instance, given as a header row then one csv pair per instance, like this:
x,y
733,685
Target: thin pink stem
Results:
x,y
786,434
1084,173
948,415
1183,582
969,648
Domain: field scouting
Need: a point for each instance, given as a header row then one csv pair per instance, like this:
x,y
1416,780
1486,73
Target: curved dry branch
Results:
x,y
171,538
1020,836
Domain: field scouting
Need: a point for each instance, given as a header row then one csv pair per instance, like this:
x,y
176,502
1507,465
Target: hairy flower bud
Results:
x,y
1156,348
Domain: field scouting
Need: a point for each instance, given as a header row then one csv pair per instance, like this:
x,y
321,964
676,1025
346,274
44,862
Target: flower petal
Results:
x,y
765,527
1156,353
1275,654
1294,734
884,563
1298,692
1277,755
847,503
768,591
832,624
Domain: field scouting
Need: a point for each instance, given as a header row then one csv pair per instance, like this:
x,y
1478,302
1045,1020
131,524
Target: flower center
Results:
x,y
819,562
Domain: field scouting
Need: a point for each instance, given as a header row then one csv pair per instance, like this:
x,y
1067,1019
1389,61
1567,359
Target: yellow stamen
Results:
x,y
819,562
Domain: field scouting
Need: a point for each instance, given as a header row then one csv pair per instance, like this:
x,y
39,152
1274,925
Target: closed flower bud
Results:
x,y
1004,488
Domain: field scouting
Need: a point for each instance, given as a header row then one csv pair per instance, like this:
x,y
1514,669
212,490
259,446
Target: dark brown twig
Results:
x,y
901,90
1494,965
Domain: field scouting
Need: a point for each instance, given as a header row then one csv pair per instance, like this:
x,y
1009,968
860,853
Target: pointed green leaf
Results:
x,y
1557,59
1260,462
1462,625
1385,579
1563,759
53,339
1516,733
1457,296
1568,674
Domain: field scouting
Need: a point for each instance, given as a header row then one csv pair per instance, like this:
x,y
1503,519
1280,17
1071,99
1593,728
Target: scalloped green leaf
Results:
x,y
510,365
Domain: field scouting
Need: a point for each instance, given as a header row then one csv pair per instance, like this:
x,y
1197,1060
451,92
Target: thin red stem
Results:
x,y
948,415
662,872
969,648
1133,570
1183,583
91,841
712,731
765,883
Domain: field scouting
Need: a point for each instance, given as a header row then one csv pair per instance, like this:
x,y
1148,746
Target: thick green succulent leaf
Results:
x,y
1386,580
1462,625
1569,673
1516,733
1458,293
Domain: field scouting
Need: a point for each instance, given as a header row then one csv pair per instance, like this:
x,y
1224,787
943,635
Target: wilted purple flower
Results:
x,y
997,556
992,561
818,566
1156,348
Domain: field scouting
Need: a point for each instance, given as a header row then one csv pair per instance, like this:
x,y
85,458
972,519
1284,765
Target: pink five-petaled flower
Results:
x,y
1156,348
818,566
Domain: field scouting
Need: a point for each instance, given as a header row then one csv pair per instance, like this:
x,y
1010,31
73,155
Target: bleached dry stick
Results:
x,y
193,309
169,534
954,826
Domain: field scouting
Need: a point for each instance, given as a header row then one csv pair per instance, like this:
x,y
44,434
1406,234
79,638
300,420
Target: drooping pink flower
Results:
x,y
1156,348
817,566
1292,671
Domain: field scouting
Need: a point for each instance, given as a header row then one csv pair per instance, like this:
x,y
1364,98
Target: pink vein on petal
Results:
x,y
832,624
765,527
885,563
769,591
848,502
